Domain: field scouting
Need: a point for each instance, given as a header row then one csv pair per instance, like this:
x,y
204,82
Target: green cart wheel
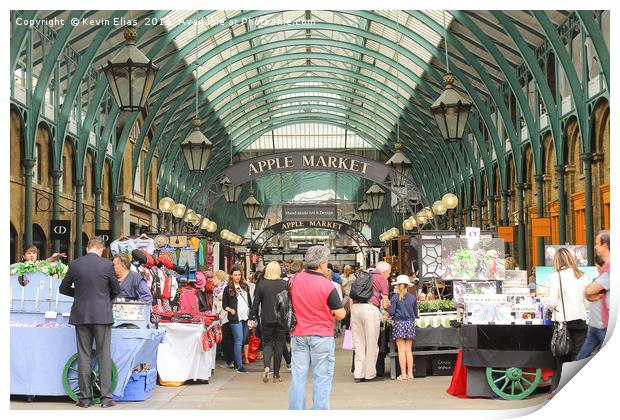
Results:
x,y
70,378
513,383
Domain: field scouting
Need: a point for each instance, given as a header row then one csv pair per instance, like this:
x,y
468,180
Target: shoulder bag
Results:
x,y
560,340
285,314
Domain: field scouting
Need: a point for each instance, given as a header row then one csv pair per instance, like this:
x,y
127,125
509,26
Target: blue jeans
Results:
x,y
240,334
317,353
594,338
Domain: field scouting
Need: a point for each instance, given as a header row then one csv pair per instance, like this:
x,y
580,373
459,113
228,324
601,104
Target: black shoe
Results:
x,y
108,404
359,380
242,370
83,404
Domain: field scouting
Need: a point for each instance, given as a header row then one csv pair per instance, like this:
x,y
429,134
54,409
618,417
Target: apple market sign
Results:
x,y
251,169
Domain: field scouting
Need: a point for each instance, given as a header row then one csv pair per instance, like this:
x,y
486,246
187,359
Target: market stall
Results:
x,y
43,344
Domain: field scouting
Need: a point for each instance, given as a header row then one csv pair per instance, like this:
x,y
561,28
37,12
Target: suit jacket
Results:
x,y
94,287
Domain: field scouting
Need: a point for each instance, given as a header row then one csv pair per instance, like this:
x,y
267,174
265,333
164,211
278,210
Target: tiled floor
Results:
x,y
227,390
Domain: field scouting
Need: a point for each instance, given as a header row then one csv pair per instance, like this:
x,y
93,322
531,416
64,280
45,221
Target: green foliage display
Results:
x,y
52,269
436,305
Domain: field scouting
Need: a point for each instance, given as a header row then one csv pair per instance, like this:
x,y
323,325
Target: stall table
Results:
x,y
39,355
181,356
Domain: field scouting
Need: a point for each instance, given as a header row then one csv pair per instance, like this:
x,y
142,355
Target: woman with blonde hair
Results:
x,y
404,310
347,279
567,303
274,334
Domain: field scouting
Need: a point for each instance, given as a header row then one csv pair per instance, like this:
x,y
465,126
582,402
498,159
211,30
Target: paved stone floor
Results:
x,y
227,390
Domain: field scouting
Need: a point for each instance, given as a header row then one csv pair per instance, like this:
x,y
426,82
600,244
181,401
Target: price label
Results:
x,y
51,314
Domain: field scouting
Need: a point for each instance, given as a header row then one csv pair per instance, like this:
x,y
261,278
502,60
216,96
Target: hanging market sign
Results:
x,y
106,235
310,224
61,230
251,169
309,212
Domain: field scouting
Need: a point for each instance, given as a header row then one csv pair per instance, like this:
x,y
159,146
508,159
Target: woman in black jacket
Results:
x,y
236,300
274,334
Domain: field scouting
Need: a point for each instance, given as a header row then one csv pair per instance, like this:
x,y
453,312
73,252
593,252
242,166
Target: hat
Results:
x,y
403,279
160,241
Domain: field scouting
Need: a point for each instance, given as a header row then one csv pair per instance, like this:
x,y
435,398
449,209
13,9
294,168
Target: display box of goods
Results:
x,y
527,314
442,364
472,287
463,259
132,312
543,275
436,319
515,279
579,252
140,386
487,309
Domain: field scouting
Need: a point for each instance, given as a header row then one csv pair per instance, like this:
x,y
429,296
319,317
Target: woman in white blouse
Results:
x,y
572,291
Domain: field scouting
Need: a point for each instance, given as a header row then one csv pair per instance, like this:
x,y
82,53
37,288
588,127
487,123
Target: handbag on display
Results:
x,y
178,241
560,340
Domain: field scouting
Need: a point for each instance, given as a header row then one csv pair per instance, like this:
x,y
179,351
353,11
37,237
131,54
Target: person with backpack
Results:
x,y
404,311
237,301
368,292
274,334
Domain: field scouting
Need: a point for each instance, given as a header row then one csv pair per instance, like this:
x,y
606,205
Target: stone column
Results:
x,y
28,165
587,172
559,170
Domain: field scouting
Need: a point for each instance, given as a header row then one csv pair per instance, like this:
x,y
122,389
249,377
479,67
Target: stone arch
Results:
x,y
16,143
574,185
68,166
600,166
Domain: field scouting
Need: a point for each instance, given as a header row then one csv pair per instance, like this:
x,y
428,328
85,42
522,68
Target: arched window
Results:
x,y
13,244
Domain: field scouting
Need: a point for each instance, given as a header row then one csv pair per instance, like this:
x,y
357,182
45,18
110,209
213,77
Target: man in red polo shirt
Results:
x,y
316,304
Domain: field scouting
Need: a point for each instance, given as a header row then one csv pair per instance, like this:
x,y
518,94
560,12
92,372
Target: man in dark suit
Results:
x,y
94,287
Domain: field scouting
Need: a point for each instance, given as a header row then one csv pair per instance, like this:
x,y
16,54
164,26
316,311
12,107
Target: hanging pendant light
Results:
x,y
451,109
365,212
251,206
196,147
357,222
166,205
374,196
231,194
401,165
450,200
257,222
130,74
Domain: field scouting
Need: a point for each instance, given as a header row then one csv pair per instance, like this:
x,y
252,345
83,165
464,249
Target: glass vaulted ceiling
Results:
x,y
241,91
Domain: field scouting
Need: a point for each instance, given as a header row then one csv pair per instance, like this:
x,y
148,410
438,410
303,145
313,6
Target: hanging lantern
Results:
x,y
130,74
231,194
196,148
450,201
365,212
451,111
356,222
178,210
166,205
374,196
257,222
401,165
439,208
251,206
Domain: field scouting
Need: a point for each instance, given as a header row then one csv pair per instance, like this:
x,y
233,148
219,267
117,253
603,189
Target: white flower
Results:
x,y
14,271
55,276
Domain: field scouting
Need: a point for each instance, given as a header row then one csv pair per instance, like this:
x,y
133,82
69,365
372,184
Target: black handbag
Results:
x,y
560,340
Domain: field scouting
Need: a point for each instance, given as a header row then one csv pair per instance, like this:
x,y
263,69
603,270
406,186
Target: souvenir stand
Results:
x,y
43,346
189,348
437,333
505,340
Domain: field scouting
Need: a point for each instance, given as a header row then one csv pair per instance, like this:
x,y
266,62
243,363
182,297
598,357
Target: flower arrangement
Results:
x,y
53,269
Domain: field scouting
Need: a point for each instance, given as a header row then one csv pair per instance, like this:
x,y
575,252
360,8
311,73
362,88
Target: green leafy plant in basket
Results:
x,y
436,305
